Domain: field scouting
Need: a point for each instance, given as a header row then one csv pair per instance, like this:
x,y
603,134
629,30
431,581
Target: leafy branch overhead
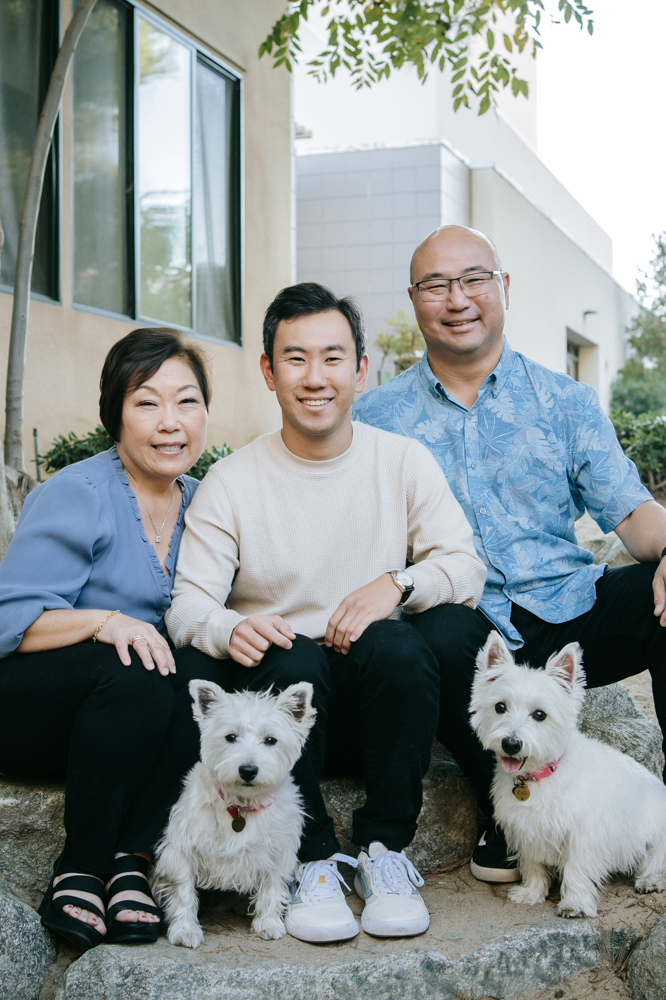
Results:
x,y
477,42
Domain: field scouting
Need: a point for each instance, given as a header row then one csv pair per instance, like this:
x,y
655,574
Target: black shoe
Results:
x,y
82,936
490,862
125,868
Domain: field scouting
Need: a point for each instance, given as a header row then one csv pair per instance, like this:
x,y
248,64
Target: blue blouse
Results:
x,y
80,543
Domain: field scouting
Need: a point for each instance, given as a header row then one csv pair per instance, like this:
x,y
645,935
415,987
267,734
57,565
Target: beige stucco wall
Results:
x,y
66,346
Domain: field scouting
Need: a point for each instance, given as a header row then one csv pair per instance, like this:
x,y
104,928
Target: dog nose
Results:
x,y
511,746
248,772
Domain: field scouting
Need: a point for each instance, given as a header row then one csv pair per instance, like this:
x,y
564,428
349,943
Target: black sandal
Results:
x,y
82,936
125,932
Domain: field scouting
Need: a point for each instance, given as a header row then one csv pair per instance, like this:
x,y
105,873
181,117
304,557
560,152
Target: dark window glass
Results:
x,y
216,222
101,258
27,52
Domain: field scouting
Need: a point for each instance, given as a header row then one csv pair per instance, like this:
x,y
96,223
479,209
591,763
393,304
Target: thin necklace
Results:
x,y
158,534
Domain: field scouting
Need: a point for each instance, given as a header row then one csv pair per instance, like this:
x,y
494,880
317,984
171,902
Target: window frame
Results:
x,y
198,51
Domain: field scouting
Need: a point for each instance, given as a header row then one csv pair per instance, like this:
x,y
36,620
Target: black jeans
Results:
x,y
122,736
377,711
619,636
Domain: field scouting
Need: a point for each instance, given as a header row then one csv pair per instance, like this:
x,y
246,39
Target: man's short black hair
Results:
x,y
307,299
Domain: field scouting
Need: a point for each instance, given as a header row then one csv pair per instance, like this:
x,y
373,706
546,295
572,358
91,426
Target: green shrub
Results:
x,y
69,448
643,439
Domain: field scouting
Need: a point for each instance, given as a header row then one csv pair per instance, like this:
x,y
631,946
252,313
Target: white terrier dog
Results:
x,y
238,822
566,803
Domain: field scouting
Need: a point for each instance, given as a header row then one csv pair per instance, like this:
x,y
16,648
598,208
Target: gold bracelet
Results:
x,y
103,623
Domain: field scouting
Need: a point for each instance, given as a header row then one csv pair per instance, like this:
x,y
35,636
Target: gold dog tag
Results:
x,y
238,823
521,792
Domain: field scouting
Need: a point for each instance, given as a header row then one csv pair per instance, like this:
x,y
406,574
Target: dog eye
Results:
x,y
500,708
270,741
231,738
538,716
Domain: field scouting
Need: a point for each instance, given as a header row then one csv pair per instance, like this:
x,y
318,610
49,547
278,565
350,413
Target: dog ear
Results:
x,y
296,701
206,696
566,666
493,657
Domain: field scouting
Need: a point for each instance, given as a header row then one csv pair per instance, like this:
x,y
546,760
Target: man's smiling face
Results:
x,y
314,372
457,323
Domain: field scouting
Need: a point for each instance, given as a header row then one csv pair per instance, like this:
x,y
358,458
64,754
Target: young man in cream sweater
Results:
x,y
299,552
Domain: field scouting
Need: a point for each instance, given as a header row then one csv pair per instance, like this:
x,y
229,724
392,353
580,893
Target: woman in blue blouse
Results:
x,y
89,687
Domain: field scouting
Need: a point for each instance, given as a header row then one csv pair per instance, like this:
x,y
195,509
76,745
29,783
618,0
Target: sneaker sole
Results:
x,y
494,874
409,928
322,935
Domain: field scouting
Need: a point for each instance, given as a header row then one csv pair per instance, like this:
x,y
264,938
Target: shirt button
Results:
x,y
473,465
482,510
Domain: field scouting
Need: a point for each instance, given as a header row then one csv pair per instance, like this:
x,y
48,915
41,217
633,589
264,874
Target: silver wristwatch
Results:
x,y
404,582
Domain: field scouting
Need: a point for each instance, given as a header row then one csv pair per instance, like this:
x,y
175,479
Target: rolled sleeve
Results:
x,y
50,557
606,479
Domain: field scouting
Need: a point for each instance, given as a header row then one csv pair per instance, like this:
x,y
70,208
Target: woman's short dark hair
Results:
x,y
136,358
307,299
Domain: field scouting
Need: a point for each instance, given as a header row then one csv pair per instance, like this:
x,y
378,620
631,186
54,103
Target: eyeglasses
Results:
x,y
472,284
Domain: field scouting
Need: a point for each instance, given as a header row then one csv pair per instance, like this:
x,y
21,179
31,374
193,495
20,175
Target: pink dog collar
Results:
x,y
238,821
520,789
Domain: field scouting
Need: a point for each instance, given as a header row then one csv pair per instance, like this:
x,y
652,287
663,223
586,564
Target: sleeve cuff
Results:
x,y
217,634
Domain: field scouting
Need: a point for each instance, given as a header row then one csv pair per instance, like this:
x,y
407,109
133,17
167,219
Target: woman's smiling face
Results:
x,y
163,427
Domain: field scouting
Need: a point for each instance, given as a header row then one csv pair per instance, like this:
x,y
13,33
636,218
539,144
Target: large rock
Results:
x,y
608,549
647,966
31,831
610,715
26,949
447,825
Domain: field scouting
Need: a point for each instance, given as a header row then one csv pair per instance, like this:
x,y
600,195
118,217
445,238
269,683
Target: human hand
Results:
x,y
659,591
372,603
152,649
254,635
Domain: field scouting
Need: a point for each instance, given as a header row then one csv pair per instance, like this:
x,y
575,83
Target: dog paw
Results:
x,y
572,909
644,886
269,928
186,937
524,894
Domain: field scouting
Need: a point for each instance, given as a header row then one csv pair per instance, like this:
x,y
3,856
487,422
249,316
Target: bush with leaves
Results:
x,y
405,345
640,387
643,439
69,448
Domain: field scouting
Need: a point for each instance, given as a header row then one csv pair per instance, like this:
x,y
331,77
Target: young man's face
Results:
x,y
314,372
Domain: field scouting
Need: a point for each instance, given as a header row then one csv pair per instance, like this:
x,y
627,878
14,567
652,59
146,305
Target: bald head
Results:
x,y
452,238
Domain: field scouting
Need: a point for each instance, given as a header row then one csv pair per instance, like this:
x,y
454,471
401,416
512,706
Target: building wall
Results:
x,y
67,346
361,213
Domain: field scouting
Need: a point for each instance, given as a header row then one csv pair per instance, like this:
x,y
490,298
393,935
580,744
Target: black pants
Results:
x,y
122,736
377,710
619,636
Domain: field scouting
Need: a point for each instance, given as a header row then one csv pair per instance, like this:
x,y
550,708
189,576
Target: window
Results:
x,y
28,33
573,360
157,178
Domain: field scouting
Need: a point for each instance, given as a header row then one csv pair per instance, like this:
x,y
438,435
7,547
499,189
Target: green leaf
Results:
x,y
490,39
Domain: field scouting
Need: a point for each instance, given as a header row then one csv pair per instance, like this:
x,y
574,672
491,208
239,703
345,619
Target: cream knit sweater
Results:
x,y
268,532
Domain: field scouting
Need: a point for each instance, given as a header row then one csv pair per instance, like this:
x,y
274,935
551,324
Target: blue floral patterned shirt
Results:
x,y
525,461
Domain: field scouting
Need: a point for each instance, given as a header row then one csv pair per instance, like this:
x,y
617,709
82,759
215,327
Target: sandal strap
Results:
x,y
131,904
128,883
84,904
130,863
86,883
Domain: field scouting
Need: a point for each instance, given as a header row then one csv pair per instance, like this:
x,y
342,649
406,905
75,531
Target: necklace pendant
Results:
x,y
158,539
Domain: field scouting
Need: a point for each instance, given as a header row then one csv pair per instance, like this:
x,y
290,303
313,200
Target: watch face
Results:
x,y
404,579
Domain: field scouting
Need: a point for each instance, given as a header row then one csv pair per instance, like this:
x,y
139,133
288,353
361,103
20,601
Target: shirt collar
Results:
x,y
495,381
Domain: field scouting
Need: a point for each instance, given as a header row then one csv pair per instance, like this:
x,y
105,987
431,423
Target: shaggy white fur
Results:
x,y
249,744
598,813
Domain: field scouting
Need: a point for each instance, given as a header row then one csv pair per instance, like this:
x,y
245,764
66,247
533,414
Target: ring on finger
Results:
x,y
136,638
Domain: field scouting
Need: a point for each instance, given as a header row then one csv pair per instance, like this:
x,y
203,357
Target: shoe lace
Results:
x,y
315,878
394,873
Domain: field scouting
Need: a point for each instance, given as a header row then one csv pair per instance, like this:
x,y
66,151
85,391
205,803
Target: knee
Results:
x,y
305,661
134,684
399,654
455,634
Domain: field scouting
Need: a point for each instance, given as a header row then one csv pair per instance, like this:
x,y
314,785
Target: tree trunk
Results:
x,y
6,512
26,237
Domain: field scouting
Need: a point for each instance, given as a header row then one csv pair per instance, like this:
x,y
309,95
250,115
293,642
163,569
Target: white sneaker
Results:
x,y
388,882
317,910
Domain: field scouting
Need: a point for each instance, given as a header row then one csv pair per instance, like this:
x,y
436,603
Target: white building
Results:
x,y
379,169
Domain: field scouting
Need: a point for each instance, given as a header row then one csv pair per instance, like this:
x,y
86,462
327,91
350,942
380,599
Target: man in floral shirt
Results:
x,y
526,451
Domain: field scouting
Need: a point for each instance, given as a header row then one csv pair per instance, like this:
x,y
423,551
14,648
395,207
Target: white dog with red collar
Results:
x,y
238,822
567,804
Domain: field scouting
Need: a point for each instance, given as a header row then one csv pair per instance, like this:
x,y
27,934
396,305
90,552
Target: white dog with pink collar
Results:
x,y
237,825
568,805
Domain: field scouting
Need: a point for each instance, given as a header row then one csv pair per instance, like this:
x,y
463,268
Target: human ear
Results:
x,y
267,371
